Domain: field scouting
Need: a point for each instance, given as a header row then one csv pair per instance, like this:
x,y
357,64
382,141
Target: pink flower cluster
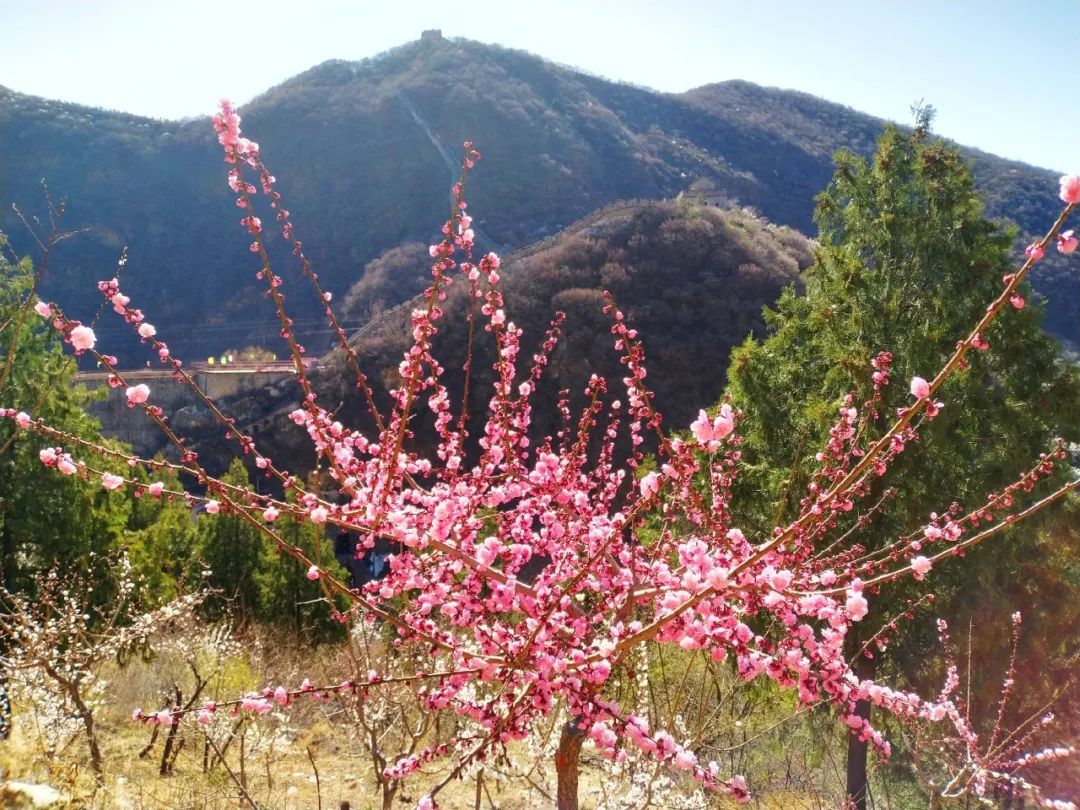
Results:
x,y
710,432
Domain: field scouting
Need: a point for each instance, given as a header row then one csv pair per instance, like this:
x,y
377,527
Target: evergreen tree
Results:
x,y
160,542
906,263
291,600
45,519
236,554
255,582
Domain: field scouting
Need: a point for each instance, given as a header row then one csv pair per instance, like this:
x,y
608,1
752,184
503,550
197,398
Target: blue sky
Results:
x,y
1001,74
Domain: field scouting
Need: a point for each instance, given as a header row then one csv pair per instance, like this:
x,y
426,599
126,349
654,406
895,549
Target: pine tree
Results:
x,y
906,263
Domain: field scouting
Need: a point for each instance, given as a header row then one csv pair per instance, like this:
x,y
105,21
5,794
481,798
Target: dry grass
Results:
x,y
275,757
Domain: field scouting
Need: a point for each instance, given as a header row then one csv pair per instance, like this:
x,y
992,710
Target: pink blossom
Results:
x,y
281,695
83,338
156,489
780,580
736,787
650,485
213,507
603,735
1034,251
147,330
718,578
920,388
270,514
48,456
685,760
43,309
1067,242
921,566
165,718
251,703
710,432
1017,301
137,394
313,573
110,481
488,551
22,419
319,514
856,605
204,717
66,466
1070,189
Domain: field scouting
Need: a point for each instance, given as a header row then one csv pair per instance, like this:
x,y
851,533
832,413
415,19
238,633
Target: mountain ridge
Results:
x,y
362,176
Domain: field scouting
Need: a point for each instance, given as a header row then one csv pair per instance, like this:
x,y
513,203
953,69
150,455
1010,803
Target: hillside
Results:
x,y
362,152
693,278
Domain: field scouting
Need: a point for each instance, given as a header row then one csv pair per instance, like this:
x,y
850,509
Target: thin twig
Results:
x,y
243,792
314,767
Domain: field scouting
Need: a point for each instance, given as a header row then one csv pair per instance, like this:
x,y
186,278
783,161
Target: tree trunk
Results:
x,y
857,783
87,717
170,740
73,687
566,766
5,707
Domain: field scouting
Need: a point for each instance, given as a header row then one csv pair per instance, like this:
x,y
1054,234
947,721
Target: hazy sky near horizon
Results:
x,y
1001,74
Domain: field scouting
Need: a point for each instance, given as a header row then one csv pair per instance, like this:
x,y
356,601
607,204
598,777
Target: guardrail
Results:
x,y
213,368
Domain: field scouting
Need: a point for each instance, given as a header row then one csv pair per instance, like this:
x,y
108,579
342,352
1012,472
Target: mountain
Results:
x,y
364,153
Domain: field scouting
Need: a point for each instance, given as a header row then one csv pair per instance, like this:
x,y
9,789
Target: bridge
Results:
x,y
215,380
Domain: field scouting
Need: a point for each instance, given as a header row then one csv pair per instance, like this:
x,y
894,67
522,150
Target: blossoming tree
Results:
x,y
488,501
